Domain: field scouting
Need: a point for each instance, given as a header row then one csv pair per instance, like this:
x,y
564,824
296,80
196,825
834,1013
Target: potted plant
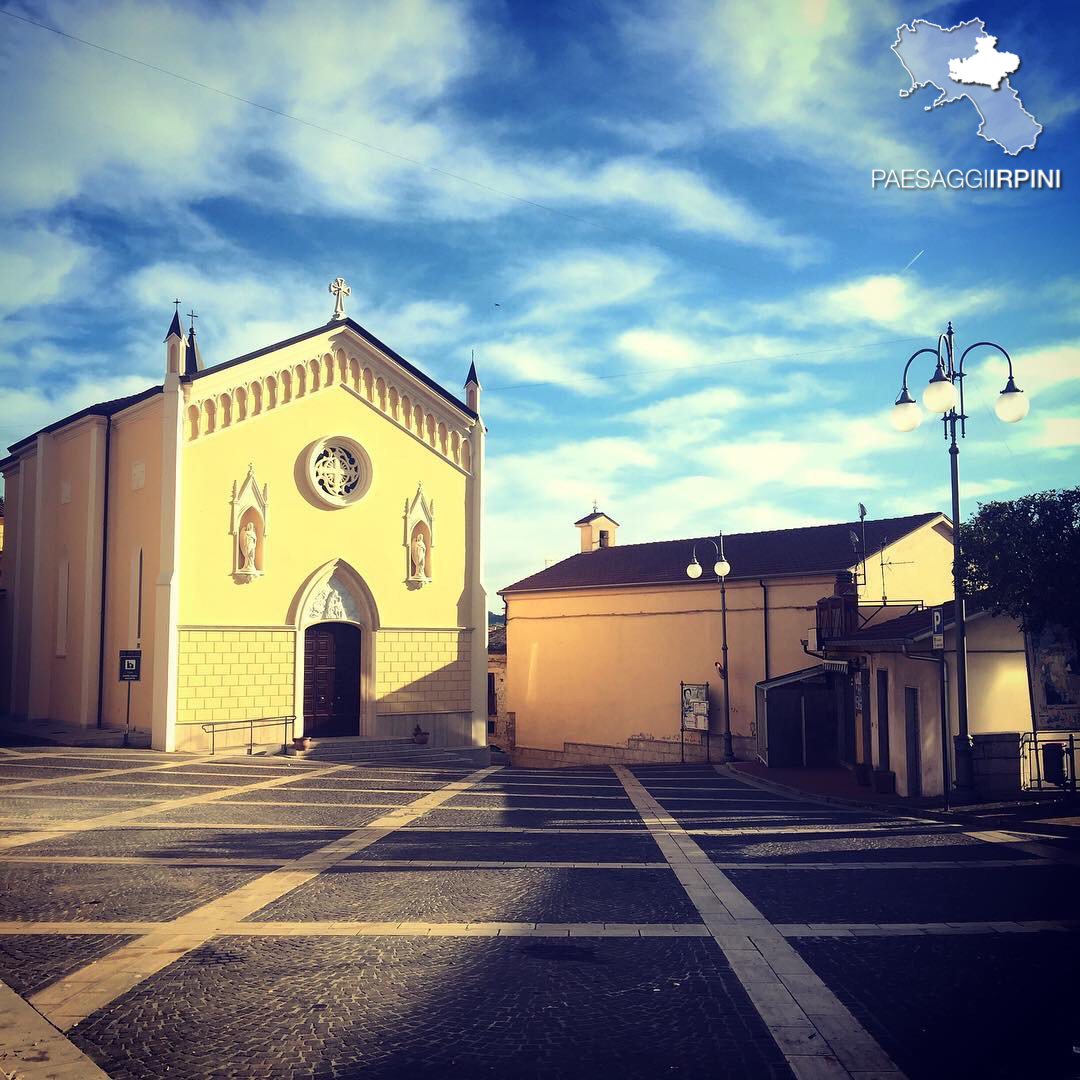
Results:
x,y
419,737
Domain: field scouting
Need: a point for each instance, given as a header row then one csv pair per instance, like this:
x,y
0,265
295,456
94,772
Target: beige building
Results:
x,y
899,681
598,644
295,532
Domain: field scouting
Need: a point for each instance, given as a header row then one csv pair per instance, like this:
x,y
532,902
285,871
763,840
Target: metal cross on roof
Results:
x,y
339,290
192,316
176,304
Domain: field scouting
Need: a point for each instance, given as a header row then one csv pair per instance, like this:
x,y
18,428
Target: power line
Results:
x,y
322,128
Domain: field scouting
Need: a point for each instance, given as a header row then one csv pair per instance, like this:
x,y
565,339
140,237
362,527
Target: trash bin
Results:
x,y
1053,761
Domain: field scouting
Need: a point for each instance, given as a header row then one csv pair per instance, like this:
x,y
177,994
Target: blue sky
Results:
x,y
703,324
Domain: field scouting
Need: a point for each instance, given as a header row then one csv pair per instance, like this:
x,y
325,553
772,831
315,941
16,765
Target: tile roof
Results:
x,y
814,549
593,516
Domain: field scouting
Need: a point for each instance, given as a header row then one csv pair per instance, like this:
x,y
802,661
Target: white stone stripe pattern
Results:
x,y
32,1049
72,775
119,817
817,1034
72,999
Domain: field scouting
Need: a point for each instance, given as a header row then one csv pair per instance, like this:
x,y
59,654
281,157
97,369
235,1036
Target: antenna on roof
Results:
x,y
595,506
862,522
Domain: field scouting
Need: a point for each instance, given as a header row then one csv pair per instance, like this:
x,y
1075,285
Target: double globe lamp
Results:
x,y
940,396
721,568
944,396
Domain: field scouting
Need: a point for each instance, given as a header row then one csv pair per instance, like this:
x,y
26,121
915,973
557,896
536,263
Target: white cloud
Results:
x,y
1056,433
577,281
27,410
121,135
804,78
536,359
712,405
35,264
242,308
891,301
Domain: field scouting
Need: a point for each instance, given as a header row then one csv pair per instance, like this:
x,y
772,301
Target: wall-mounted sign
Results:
x,y
1055,678
130,665
695,706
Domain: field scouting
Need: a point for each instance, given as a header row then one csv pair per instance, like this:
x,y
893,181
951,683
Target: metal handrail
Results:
x,y
212,727
1033,778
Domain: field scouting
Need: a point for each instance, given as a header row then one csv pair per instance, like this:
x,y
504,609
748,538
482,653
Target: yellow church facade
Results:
x,y
293,533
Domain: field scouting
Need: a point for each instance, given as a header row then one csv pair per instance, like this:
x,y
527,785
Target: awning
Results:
x,y
802,675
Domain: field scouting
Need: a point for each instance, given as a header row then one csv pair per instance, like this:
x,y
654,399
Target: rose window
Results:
x,y
337,471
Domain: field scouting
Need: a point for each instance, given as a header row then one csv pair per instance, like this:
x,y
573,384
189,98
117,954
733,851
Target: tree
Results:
x,y
1024,557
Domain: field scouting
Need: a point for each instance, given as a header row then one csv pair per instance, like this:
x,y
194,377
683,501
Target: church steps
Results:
x,y
390,752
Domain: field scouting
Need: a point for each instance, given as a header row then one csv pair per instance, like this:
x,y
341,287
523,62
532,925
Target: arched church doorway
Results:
x,y
331,679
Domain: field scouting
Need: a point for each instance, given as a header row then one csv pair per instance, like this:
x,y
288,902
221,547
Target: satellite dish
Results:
x,y
854,539
862,511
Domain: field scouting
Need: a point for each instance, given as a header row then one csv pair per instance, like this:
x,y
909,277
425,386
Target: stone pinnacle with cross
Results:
x,y
340,290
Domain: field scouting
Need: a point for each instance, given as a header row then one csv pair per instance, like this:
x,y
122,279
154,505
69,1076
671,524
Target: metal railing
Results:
x,y
214,726
1048,760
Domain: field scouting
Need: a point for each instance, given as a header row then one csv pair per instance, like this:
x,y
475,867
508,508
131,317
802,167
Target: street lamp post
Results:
x,y
944,394
721,568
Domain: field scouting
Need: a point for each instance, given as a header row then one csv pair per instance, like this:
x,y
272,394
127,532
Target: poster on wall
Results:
x,y
1055,678
695,706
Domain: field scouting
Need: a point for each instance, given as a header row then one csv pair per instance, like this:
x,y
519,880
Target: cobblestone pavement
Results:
x,y
191,918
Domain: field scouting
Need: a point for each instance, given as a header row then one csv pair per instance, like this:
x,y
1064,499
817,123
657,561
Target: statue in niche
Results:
x,y
248,541
418,539
419,555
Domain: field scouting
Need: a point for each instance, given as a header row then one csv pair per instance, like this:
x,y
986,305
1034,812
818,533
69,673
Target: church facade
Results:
x,y
296,532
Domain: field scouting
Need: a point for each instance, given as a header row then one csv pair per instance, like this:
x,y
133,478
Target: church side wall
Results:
x,y
18,579
53,575
73,560
134,526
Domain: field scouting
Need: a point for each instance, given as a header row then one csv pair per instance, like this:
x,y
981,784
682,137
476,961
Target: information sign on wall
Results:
x,y
695,706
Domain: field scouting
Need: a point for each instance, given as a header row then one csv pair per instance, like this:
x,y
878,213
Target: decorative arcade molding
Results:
x,y
378,384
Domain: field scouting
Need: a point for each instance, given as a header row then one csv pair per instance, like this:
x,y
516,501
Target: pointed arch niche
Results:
x,y
419,538
249,521
336,593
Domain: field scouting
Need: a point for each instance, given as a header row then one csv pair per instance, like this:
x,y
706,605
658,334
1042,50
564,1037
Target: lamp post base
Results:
x,y
729,753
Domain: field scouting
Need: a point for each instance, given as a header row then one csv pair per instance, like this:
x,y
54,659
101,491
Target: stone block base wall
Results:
x,y
444,729
638,751
996,763
423,671
233,675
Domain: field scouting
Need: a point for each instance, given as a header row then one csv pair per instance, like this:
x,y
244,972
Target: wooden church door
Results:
x,y
332,680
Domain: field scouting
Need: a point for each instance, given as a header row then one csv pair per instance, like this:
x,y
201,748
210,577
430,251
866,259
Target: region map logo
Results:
x,y
963,61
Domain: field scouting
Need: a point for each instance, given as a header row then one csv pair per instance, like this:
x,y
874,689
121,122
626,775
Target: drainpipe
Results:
x,y
765,621
104,575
